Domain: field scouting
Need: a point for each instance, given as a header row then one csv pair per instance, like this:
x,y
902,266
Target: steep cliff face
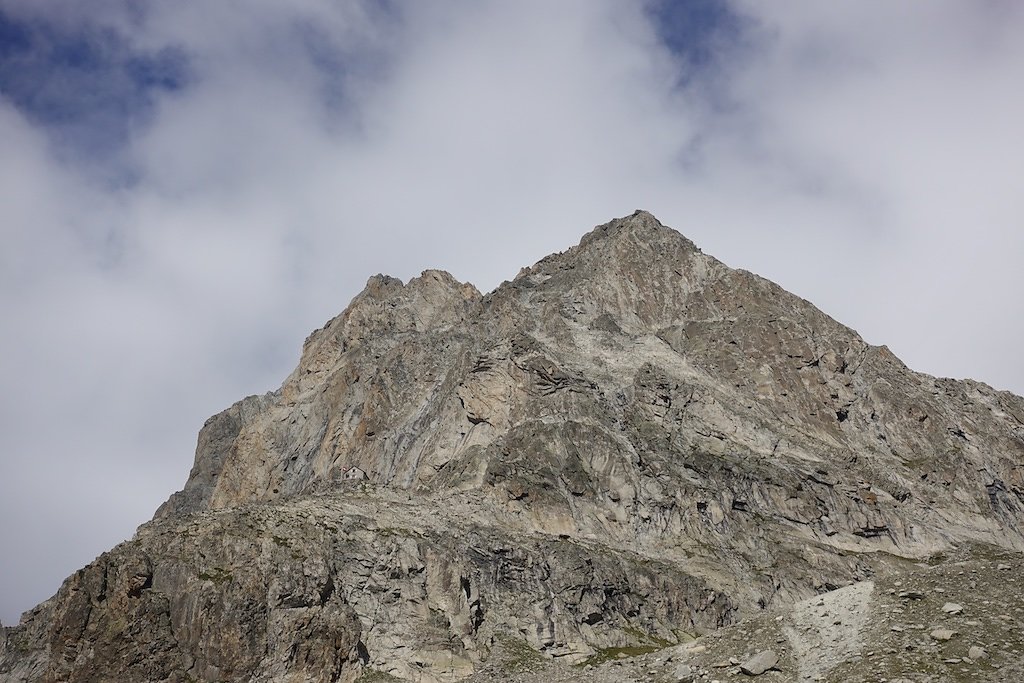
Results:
x,y
628,443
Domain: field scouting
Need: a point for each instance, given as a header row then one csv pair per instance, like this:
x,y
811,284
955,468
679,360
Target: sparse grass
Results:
x,y
648,637
611,653
684,637
217,576
517,656
375,676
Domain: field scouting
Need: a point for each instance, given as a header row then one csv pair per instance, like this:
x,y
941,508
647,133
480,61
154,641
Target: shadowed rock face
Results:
x,y
628,443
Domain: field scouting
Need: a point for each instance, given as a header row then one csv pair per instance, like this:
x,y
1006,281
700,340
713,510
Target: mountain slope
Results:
x,y
627,445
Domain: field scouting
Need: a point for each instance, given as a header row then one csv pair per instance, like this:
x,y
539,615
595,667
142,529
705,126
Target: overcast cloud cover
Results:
x,y
188,188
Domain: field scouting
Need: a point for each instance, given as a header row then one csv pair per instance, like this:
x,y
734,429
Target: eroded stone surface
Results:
x,y
627,445
759,663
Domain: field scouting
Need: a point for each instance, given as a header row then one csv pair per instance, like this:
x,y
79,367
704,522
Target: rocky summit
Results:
x,y
630,463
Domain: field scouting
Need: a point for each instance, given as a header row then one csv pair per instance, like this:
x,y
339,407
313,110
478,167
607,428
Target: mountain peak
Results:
x,y
641,227
632,268
628,443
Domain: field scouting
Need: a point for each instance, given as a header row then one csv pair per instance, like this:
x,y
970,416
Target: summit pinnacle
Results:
x,y
628,445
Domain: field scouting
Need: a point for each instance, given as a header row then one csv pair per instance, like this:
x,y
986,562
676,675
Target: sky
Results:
x,y
187,189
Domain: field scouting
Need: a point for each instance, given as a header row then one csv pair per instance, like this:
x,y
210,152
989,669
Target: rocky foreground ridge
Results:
x,y
627,447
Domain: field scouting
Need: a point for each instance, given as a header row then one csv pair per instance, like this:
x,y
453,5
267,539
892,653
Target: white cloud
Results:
x,y
903,115
865,156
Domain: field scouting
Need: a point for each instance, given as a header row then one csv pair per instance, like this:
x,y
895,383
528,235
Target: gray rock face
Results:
x,y
760,663
628,443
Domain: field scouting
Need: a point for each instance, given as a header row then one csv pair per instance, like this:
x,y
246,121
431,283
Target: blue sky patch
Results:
x,y
695,31
86,86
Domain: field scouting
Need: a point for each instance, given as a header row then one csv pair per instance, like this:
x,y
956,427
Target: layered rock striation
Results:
x,y
627,445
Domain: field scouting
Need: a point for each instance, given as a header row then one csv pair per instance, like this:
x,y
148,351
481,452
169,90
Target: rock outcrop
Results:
x,y
627,446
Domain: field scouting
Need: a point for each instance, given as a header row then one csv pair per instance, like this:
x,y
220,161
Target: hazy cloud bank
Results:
x,y
187,190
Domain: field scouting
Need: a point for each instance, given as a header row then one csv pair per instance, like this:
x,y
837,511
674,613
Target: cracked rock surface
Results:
x,y
629,446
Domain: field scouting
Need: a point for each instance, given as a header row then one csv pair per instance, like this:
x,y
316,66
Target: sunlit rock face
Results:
x,y
627,445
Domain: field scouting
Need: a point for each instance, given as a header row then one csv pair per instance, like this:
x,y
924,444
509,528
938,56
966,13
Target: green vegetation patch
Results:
x,y
648,643
217,576
517,656
649,637
610,653
375,676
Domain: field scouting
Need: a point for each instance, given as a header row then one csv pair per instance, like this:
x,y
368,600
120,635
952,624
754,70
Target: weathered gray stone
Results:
x,y
760,663
628,441
684,673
